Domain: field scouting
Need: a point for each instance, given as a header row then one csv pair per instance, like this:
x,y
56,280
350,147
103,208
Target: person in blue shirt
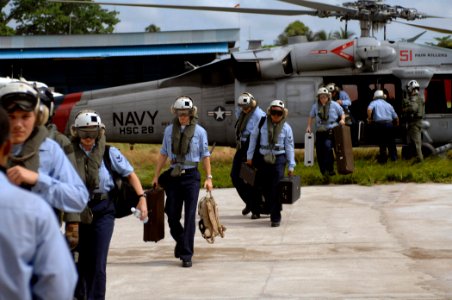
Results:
x,y
249,118
34,257
276,149
382,116
88,139
327,115
340,96
38,163
185,143
343,99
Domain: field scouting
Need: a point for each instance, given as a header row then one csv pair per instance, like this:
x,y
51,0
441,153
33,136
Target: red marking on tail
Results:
x,y
61,117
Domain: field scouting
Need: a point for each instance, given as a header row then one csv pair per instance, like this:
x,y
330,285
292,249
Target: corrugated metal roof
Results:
x,y
120,39
80,52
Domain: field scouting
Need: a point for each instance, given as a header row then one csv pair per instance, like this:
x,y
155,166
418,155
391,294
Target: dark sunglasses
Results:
x,y
88,134
278,113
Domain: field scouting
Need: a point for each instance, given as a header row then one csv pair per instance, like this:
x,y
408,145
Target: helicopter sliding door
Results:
x,y
298,94
438,108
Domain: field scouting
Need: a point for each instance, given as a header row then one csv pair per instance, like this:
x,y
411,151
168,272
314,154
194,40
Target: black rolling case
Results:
x,y
289,189
343,149
154,229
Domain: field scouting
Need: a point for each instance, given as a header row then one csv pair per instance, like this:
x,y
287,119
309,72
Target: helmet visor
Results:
x,y
276,112
183,112
88,132
15,102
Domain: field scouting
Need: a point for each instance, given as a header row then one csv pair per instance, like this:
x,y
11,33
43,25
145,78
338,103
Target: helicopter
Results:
x,y
138,113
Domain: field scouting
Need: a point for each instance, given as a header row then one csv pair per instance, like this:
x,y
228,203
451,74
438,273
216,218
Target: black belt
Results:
x,y
96,198
187,171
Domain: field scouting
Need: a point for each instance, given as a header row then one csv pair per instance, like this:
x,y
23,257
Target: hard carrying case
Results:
x,y
343,149
289,189
154,229
247,173
308,149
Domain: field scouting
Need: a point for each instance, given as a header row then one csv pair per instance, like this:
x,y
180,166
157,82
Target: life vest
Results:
x,y
29,156
88,165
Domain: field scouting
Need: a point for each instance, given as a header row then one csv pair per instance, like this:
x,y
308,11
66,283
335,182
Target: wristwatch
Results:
x,y
142,195
209,177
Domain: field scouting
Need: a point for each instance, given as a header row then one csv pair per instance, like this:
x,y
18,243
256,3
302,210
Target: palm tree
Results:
x,y
342,34
445,42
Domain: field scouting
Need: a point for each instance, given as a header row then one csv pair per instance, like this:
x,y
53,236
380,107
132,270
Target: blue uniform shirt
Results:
x,y
253,122
119,164
198,148
346,102
32,247
58,182
382,110
285,144
334,115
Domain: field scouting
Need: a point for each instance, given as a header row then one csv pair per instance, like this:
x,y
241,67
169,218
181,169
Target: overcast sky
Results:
x,y
267,28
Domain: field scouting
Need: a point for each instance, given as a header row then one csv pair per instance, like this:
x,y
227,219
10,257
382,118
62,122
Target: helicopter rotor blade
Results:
x,y
321,6
435,29
281,12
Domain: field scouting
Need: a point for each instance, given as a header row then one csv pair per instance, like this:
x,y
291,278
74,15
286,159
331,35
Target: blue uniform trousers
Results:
x,y
249,194
93,251
183,192
385,136
269,176
324,144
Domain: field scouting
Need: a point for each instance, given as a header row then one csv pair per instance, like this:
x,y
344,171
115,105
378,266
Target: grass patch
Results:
x,y
367,170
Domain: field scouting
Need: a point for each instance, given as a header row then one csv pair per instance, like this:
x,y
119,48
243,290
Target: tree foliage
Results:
x,y
35,17
152,28
445,42
297,28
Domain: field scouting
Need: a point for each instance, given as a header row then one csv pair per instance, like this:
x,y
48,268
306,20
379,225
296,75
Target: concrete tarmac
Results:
x,y
335,242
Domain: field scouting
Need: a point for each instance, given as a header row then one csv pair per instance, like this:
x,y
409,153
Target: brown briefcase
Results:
x,y
343,149
154,229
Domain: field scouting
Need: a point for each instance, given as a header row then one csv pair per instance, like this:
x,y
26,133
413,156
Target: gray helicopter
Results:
x,y
138,113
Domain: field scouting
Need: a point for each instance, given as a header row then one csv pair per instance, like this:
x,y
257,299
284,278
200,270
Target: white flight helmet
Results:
x,y
323,90
278,103
21,94
412,85
330,87
245,99
87,118
183,102
88,122
379,94
24,96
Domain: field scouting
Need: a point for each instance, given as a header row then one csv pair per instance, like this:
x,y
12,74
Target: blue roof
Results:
x,y
84,52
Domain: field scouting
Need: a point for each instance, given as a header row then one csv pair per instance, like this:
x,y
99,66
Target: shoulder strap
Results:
x,y
258,141
261,122
107,161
